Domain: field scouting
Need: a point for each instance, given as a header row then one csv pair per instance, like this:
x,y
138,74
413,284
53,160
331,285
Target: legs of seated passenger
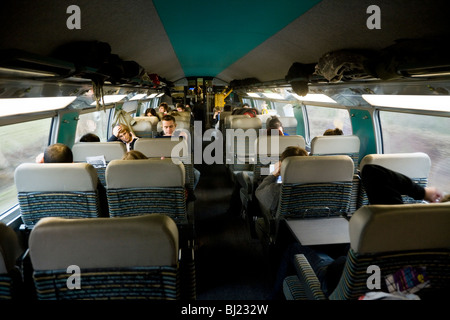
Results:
x,y
384,186
318,261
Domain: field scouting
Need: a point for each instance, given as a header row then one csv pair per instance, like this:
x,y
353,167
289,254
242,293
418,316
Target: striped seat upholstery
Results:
x,y
396,239
136,187
128,258
110,150
9,252
315,186
341,145
414,165
56,190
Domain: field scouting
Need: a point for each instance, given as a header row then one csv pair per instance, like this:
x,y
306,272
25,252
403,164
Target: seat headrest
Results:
x,y
163,147
402,227
145,173
317,169
111,150
288,121
413,165
44,177
335,144
227,118
275,145
138,241
245,123
9,248
152,119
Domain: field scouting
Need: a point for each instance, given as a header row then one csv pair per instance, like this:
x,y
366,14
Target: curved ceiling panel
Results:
x,y
208,36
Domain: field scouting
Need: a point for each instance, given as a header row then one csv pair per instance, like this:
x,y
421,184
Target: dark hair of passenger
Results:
x,y
274,123
152,112
58,153
333,132
134,155
90,137
168,117
293,151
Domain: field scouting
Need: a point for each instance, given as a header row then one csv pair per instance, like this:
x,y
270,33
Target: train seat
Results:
x,y
289,125
311,187
268,151
264,118
341,145
108,150
10,251
336,145
145,127
415,165
240,143
127,258
169,148
58,190
396,239
136,187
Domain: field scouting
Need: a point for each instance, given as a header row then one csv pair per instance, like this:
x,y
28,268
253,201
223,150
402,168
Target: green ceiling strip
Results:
x,y
193,28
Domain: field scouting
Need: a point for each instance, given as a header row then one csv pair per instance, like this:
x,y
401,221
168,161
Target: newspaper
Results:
x,y
97,161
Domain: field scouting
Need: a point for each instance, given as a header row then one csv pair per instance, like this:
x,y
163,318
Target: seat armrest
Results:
x,y
308,278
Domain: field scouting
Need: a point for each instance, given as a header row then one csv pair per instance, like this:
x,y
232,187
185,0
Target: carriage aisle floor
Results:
x,y
230,265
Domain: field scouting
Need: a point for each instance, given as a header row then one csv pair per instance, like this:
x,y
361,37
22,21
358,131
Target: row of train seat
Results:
x,y
137,257
150,126
409,244
93,258
132,188
71,190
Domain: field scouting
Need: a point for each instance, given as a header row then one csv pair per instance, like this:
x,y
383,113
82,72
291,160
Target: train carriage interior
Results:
x,y
379,71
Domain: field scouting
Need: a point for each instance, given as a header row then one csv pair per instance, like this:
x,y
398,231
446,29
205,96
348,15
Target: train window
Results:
x,y
284,109
94,122
404,132
19,143
322,118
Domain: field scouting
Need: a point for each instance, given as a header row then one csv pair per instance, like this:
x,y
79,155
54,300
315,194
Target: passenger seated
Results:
x,y
268,191
61,153
333,132
274,123
164,108
122,133
150,112
56,153
383,186
134,155
90,137
169,126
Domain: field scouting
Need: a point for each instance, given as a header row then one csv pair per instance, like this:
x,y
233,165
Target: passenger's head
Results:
x,y
292,151
181,107
124,134
274,123
90,137
134,155
333,132
168,124
245,105
58,153
151,112
164,107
